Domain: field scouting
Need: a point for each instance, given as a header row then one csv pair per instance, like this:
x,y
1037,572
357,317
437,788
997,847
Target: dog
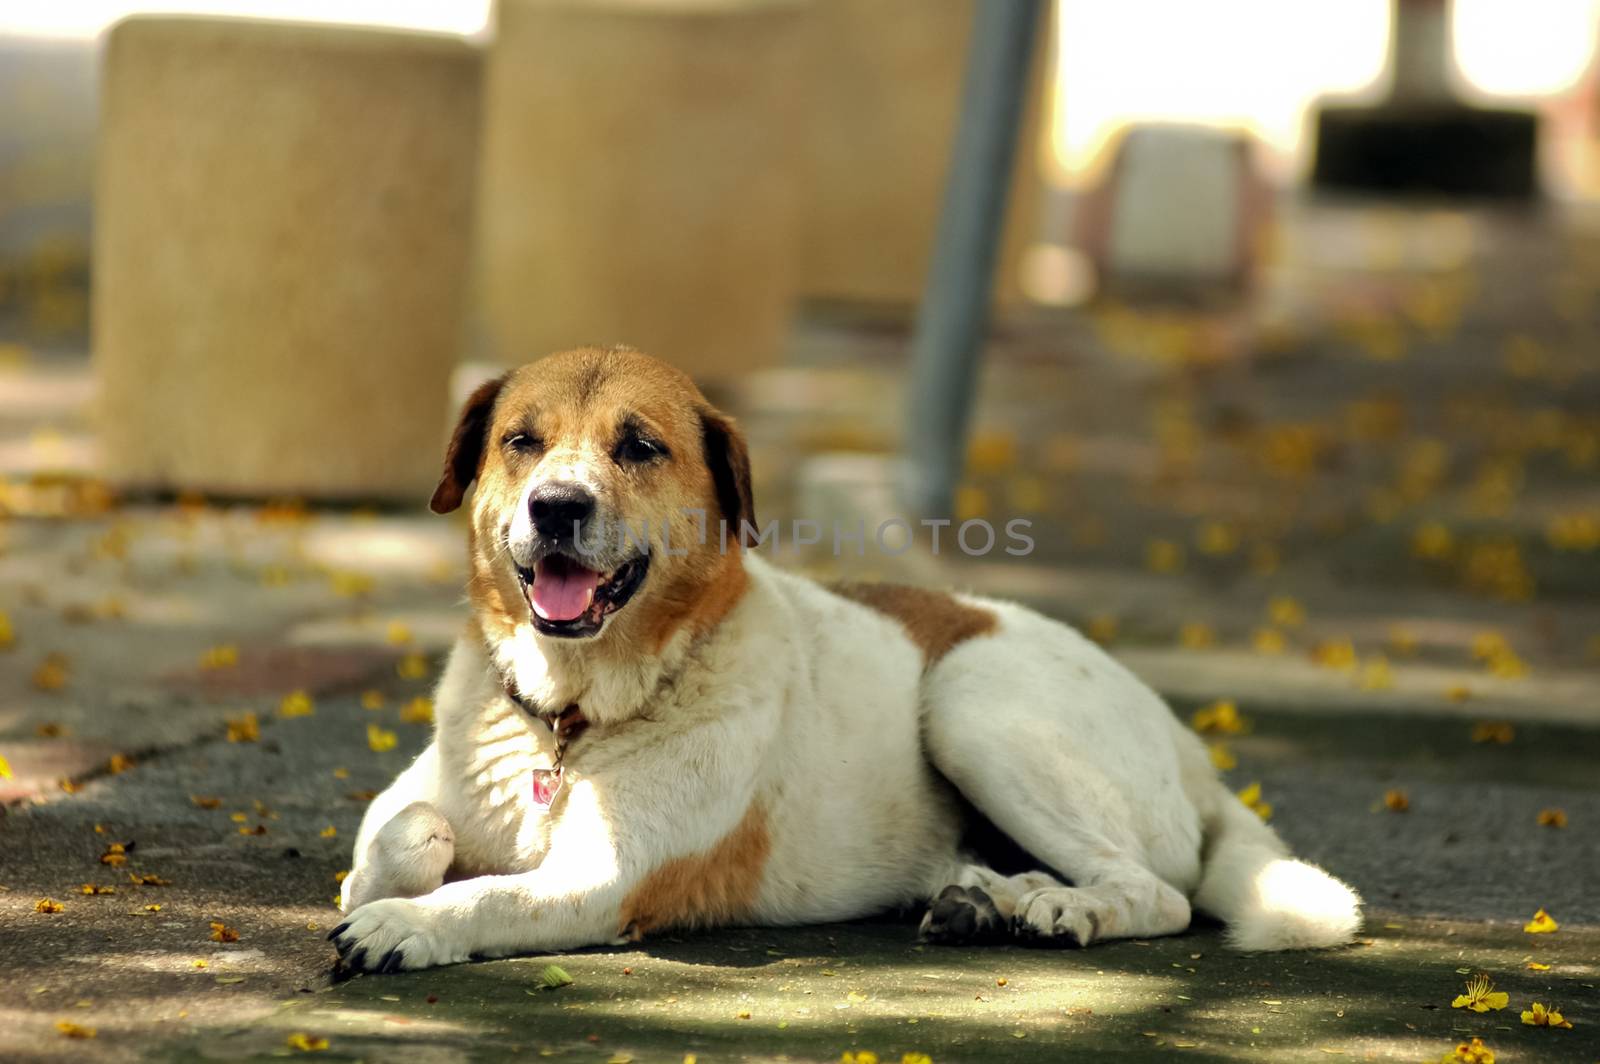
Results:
x,y
646,726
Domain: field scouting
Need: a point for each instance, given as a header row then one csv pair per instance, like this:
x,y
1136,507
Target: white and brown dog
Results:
x,y
645,727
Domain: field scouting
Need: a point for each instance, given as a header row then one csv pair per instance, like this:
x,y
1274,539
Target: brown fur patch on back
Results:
x,y
935,620
715,887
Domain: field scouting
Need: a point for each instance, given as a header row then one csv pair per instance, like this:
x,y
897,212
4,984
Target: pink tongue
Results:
x,y
562,592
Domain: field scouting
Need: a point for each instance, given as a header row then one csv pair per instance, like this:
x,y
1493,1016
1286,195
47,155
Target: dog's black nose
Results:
x,y
558,509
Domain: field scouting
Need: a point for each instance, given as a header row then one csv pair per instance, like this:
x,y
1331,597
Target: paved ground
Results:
x,y
1366,511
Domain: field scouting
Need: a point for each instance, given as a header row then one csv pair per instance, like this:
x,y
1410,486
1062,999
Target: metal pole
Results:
x,y
955,302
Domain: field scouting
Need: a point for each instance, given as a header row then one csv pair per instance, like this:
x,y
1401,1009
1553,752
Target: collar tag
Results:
x,y
546,785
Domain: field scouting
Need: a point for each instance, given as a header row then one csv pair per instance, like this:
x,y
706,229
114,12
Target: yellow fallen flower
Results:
x,y
1217,539
1222,758
245,729
1473,1052
371,699
5,768
1552,818
1432,542
1396,800
296,704
414,666
1402,642
1268,641
225,656
1376,674
1499,732
1481,996
1102,629
1541,924
417,711
1251,797
1286,612
1335,654
381,739
47,905
1163,556
306,1043
1221,716
398,633
51,675
1538,1015
75,1030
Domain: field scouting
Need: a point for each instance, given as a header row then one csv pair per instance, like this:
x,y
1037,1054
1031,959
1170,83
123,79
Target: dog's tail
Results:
x,y
1269,900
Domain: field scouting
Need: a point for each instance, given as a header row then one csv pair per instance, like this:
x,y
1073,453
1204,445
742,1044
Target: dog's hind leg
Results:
x,y
1075,762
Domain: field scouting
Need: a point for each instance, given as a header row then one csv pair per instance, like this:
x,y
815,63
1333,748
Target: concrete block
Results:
x,y
1181,211
639,178
883,88
283,215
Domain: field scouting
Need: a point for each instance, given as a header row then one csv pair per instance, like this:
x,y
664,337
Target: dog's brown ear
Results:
x,y
465,453
729,461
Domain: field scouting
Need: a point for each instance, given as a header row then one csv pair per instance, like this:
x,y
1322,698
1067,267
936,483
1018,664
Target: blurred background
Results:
x,y
1290,355
1290,302
1278,319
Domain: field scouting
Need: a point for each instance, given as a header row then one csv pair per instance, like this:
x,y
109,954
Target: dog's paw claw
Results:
x,y
395,935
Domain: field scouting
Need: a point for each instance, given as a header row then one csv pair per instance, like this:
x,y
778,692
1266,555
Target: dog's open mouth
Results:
x,y
571,600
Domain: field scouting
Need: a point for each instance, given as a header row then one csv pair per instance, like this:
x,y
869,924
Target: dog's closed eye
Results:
x,y
635,444
522,443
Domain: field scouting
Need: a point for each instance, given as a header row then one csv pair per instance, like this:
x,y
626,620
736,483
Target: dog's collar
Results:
x,y
565,724
565,727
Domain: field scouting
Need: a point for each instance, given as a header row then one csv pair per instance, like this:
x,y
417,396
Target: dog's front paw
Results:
x,y
397,935
406,859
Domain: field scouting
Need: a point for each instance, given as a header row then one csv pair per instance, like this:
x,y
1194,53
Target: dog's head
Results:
x,y
604,482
